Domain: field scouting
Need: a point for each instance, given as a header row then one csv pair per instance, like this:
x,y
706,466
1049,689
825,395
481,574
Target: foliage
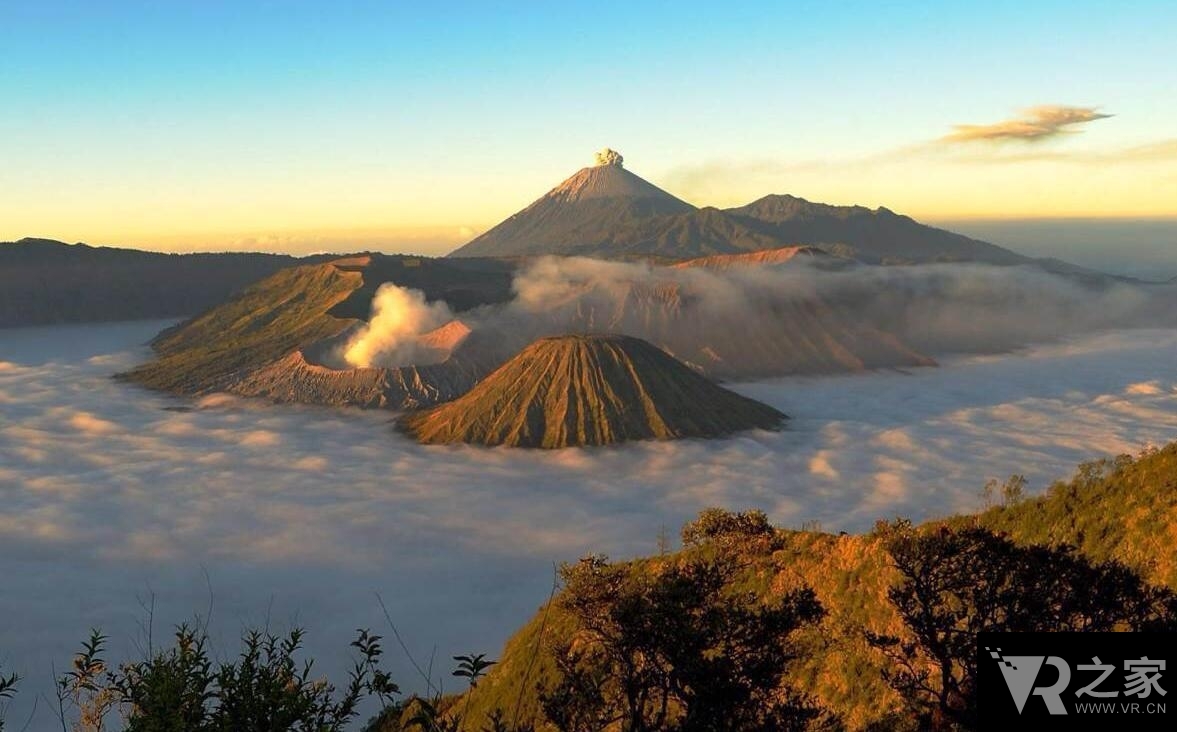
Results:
x,y
442,713
727,527
1119,512
957,583
7,691
1012,491
1123,508
676,649
472,667
180,689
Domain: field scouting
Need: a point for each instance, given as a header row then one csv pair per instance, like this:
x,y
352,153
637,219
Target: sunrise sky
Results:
x,y
302,126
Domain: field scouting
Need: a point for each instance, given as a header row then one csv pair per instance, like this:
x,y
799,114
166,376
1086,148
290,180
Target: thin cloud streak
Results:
x,y
698,182
1152,152
1036,124
964,146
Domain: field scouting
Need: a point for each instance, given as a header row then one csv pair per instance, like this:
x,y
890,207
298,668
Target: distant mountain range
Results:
x,y
603,211
276,338
44,282
608,212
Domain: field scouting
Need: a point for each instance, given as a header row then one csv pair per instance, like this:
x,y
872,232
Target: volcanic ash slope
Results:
x,y
589,390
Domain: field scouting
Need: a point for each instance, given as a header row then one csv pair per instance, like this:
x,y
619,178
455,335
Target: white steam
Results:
x,y
812,316
391,336
749,322
608,156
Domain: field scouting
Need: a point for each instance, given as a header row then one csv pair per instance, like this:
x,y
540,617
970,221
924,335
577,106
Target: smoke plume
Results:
x,y
607,156
390,338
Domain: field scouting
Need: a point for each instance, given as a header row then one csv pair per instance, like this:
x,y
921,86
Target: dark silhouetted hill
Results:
x,y
44,282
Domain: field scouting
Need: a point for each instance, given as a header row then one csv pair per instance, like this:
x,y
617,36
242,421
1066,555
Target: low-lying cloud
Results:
x,y
298,514
1034,124
800,317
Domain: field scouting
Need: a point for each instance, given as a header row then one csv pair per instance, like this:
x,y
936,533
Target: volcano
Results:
x,y
577,390
578,215
607,212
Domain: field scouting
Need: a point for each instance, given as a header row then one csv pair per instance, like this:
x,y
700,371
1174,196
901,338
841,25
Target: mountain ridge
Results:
x,y
262,341
45,281
608,212
875,236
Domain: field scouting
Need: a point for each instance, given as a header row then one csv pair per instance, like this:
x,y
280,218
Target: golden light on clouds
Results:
x,y
1036,123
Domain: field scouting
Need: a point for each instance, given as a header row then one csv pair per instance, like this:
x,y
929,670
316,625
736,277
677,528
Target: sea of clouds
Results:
x,y
112,497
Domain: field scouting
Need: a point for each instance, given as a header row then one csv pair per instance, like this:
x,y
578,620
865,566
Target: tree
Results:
x,y
729,529
989,493
1013,491
674,647
957,583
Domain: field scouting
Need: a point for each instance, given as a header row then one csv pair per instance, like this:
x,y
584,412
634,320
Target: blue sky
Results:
x,y
193,123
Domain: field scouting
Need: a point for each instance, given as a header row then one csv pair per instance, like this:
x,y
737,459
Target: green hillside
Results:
x,y
262,323
1122,509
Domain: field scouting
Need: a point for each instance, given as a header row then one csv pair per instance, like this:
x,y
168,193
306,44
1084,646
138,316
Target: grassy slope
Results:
x,y
1126,512
1129,514
850,576
262,323
301,305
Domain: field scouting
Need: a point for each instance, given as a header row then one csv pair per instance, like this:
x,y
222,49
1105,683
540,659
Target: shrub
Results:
x,y
180,689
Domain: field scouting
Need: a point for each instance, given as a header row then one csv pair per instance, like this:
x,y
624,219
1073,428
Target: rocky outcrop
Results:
x,y
294,379
762,258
